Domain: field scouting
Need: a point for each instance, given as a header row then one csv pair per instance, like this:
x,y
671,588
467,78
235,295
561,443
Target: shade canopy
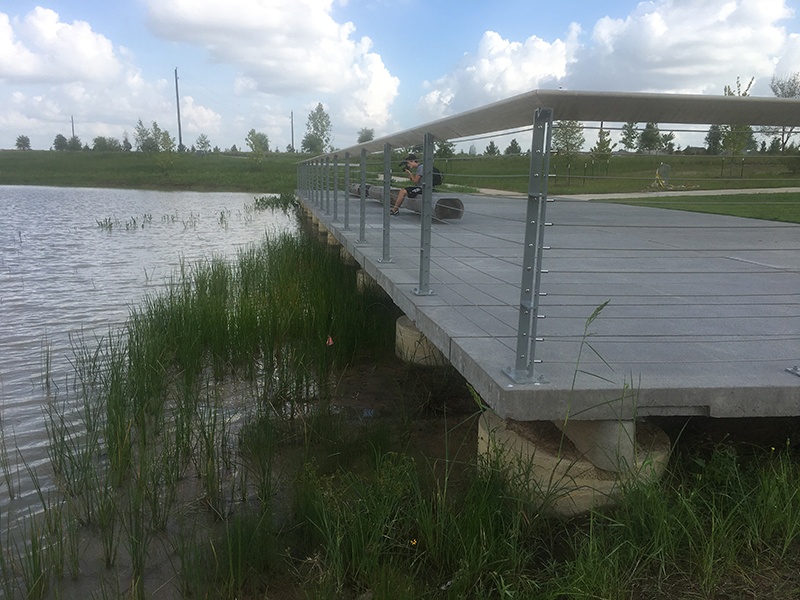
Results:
x,y
618,107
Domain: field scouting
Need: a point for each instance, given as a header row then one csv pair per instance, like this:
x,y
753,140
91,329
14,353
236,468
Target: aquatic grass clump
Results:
x,y
284,202
284,305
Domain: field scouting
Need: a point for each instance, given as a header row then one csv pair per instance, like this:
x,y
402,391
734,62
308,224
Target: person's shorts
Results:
x,y
413,191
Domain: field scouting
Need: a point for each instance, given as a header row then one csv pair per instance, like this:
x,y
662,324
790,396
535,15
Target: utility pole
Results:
x,y
178,104
72,120
291,118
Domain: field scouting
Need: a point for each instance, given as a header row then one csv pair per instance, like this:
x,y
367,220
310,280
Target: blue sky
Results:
x,y
386,65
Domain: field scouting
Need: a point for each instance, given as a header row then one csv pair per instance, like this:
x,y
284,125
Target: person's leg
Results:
x,y
401,195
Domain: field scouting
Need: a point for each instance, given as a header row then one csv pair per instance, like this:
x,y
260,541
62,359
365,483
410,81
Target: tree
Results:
x,y
157,135
126,143
257,142
143,138
492,149
630,136
603,147
714,140
23,142
788,87
202,144
365,135
444,149
167,143
736,139
650,138
513,148
568,138
668,142
106,144
318,131
60,143
163,140
74,144
473,151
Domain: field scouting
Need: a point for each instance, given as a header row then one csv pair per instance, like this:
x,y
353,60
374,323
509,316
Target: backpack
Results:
x,y
437,178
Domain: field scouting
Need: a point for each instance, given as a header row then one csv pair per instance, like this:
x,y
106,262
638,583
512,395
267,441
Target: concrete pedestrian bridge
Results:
x,y
703,313
591,314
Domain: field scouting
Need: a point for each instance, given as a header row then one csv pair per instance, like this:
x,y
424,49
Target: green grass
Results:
x,y
161,171
783,207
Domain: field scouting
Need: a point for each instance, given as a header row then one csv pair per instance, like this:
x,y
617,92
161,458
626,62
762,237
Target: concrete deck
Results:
x,y
703,315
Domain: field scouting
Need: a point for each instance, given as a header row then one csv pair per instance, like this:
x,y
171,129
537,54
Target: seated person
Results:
x,y
414,171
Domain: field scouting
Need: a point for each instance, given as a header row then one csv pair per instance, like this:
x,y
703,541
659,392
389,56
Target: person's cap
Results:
x,y
411,157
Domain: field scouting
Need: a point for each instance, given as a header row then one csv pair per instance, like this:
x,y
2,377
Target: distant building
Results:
x,y
694,150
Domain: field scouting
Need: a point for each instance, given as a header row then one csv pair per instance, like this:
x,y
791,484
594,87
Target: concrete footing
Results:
x,y
364,281
538,454
412,346
347,258
609,445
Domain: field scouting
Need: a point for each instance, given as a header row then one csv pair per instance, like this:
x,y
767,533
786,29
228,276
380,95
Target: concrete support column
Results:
x,y
609,445
347,258
364,281
412,346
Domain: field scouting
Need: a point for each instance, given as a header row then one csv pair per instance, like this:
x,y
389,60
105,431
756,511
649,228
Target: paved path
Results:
x,y
703,315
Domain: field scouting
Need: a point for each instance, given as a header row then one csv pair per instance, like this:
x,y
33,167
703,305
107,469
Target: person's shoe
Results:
x,y
394,211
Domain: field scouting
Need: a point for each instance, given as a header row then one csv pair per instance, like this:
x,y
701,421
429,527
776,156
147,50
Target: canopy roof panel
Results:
x,y
618,107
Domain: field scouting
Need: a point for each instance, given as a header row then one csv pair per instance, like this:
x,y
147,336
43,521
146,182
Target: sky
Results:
x,y
378,64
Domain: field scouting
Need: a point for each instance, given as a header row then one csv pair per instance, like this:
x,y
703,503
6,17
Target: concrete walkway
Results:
x,y
703,314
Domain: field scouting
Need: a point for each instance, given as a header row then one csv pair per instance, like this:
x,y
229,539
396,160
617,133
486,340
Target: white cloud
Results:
x,y
285,47
52,72
41,48
500,68
688,46
198,119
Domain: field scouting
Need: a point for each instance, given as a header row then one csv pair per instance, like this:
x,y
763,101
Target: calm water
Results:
x,y
63,276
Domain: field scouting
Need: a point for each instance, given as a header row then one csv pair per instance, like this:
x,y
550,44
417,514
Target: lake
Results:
x,y
73,261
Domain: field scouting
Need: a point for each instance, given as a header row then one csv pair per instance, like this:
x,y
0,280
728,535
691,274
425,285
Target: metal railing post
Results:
x,y
301,179
327,184
315,181
424,287
387,202
346,191
335,187
362,226
320,187
523,370
312,181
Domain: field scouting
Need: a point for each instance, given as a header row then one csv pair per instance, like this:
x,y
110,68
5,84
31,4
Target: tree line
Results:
x,y
154,138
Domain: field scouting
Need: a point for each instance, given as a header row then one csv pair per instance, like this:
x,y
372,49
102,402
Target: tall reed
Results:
x,y
151,401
